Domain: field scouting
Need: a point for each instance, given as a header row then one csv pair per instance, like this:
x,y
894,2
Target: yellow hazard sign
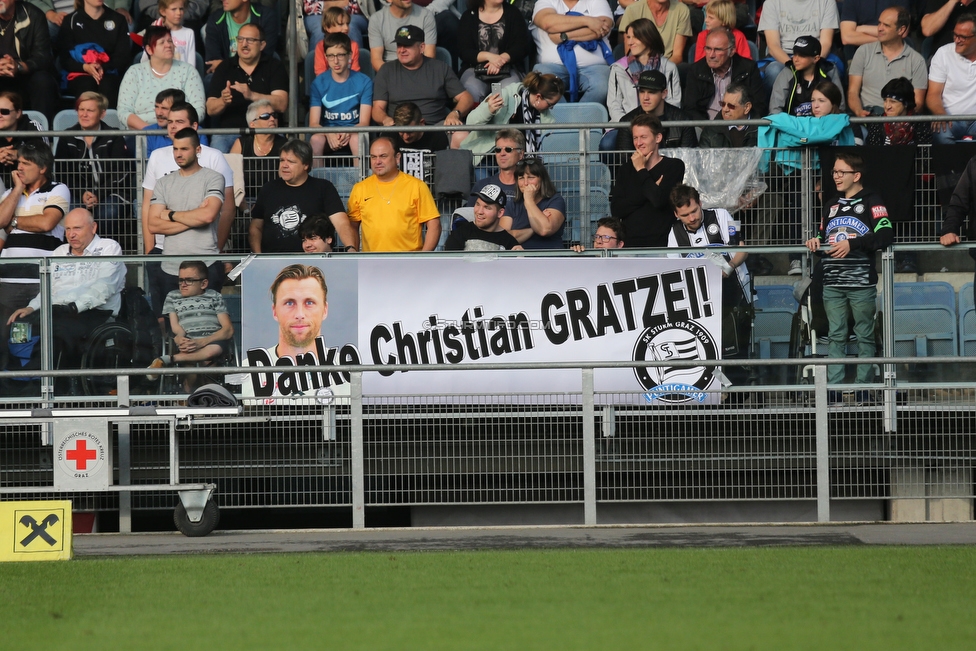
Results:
x,y
35,531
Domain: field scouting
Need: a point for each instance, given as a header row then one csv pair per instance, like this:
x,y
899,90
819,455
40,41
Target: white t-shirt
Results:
x,y
547,49
161,163
795,18
959,76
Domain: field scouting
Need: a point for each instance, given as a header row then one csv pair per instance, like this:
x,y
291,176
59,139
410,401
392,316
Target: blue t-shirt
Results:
x,y
520,220
340,101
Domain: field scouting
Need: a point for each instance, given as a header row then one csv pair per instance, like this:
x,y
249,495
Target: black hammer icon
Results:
x,y
39,530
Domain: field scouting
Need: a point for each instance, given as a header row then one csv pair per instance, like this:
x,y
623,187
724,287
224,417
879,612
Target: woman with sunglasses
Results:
x,y
12,118
527,103
143,81
260,150
538,216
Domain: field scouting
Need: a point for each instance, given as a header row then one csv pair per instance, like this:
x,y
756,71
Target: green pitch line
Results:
x,y
744,598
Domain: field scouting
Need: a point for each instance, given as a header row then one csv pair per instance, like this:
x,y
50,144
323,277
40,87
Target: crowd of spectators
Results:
x,y
181,65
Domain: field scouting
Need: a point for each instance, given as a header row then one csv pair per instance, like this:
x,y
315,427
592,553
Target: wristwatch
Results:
x,y
13,223
563,37
171,213
354,250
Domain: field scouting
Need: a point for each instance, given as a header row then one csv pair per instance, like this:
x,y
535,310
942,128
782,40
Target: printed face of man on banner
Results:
x,y
300,306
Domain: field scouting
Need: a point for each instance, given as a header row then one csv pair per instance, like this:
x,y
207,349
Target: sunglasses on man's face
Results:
x,y
507,150
266,116
5,111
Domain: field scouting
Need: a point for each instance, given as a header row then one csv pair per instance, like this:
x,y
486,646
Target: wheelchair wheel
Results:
x,y
109,346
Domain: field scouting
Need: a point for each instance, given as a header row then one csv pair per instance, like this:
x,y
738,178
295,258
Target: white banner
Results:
x,y
474,310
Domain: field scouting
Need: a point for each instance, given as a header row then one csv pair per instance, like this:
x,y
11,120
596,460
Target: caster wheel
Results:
x,y
207,523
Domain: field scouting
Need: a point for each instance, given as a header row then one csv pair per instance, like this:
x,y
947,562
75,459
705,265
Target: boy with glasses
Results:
x,y
340,97
609,235
335,20
853,227
198,318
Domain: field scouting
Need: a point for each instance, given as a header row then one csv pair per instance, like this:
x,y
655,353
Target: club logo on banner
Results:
x,y
451,310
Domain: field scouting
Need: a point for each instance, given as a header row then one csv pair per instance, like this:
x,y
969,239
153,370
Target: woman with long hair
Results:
x,y
537,217
527,103
646,52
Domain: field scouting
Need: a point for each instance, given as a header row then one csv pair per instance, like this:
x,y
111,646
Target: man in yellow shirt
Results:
x,y
396,211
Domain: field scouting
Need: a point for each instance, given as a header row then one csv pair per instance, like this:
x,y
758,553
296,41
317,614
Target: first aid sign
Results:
x,y
35,531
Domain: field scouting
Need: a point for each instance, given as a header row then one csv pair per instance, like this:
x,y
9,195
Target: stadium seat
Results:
x,y
580,112
309,72
343,178
445,56
63,121
39,118
925,319
775,307
366,64
967,321
566,177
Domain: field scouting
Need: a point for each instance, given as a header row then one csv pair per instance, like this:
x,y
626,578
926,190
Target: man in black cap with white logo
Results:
x,y
429,83
794,86
652,91
484,233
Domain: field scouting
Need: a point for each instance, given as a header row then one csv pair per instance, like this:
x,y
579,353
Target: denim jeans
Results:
x,y
956,132
862,305
223,143
594,81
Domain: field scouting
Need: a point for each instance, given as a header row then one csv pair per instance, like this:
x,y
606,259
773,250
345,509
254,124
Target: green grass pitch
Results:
x,y
730,598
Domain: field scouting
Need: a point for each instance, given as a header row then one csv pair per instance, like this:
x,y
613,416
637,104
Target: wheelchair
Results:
x,y
129,340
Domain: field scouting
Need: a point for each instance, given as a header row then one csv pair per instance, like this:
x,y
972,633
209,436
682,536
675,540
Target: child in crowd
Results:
x,y
335,21
721,13
317,233
198,318
171,17
340,97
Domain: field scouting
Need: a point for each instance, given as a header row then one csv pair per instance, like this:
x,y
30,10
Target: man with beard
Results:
x,y
185,209
299,303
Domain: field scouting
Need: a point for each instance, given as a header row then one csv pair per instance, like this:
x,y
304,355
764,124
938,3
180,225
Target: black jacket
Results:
x,y
218,38
515,41
962,204
33,38
700,87
673,136
79,28
643,204
104,168
720,137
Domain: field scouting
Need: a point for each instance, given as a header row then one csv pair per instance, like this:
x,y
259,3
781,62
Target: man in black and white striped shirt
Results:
x,y
31,213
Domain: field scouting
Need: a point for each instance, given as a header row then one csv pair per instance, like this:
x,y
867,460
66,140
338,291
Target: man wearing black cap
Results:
x,y
794,86
383,26
652,91
428,83
484,233
710,76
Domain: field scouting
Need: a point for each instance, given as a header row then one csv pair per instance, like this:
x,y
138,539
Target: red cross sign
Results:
x,y
81,455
